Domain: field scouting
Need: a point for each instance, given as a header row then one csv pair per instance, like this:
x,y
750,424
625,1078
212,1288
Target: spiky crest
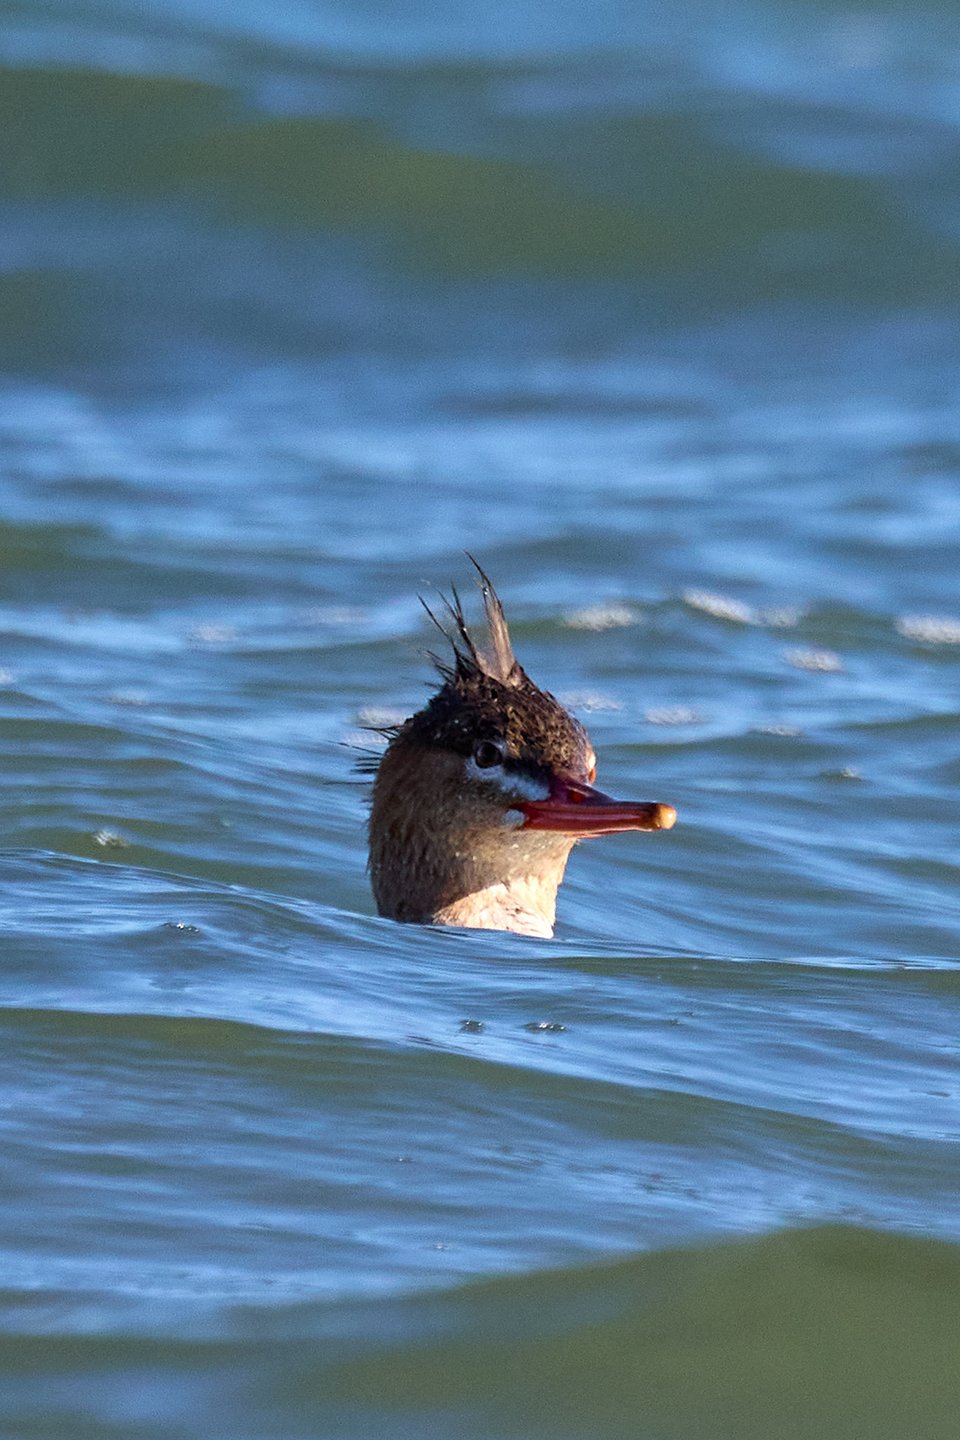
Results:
x,y
502,664
499,663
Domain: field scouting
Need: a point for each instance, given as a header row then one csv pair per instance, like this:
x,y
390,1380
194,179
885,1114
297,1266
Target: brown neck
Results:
x,y
441,856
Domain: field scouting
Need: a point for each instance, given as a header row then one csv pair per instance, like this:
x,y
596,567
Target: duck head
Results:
x,y
480,797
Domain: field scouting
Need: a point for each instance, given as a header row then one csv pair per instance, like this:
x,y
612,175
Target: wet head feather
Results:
x,y
486,694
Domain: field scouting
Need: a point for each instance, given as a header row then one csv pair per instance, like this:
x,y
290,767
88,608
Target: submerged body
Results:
x,y
480,797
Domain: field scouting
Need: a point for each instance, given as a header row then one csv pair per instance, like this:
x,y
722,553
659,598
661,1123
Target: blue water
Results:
x,y
657,315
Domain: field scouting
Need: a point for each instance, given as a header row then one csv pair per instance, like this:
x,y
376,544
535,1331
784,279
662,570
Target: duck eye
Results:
x,y
488,753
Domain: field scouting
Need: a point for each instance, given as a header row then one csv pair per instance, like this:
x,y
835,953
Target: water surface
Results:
x,y
658,317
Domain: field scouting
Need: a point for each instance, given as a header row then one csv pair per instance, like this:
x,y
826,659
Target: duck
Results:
x,y
479,797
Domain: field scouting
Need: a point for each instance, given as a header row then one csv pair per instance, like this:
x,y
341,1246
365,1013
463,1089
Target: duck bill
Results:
x,y
573,808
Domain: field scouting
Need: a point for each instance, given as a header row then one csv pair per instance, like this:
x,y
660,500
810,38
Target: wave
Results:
x,y
625,193
830,1331
790,1335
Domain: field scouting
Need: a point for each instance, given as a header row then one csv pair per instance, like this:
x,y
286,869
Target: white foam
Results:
x,y
721,607
825,661
600,617
673,715
588,700
930,629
